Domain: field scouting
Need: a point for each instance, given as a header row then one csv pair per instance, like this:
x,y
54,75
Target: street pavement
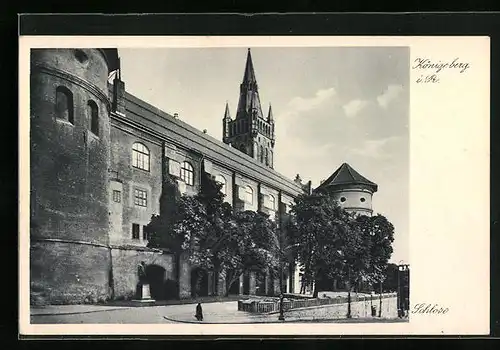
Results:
x,y
216,312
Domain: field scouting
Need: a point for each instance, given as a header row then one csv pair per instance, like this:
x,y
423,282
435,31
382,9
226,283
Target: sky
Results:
x,y
331,105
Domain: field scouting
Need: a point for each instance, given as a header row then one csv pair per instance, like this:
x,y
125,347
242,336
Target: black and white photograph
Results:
x,y
219,185
253,186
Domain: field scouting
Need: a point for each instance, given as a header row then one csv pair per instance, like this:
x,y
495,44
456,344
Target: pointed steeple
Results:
x,y
270,117
249,76
249,103
227,114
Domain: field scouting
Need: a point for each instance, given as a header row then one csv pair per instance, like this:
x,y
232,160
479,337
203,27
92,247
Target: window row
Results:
x,y
141,196
141,160
64,109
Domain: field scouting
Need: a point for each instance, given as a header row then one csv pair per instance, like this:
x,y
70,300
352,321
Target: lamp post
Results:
x,y
402,268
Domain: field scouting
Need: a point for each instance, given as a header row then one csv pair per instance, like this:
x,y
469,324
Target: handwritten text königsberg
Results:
x,y
437,66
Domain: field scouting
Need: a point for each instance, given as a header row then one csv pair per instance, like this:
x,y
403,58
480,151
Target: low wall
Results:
x,y
358,309
271,305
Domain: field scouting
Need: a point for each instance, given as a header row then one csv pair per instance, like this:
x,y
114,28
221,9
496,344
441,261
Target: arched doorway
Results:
x,y
199,282
156,274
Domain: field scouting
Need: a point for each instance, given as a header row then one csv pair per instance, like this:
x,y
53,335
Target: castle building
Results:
x,y
99,159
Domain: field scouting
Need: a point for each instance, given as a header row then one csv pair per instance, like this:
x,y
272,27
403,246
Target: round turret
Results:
x,y
70,155
352,191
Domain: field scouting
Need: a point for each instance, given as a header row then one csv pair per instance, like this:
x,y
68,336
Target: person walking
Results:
x,y
199,312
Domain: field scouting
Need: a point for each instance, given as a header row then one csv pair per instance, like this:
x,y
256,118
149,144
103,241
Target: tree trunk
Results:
x,y
178,274
349,302
380,301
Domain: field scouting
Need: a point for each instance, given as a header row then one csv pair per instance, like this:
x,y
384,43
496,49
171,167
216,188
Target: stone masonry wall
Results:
x,y
66,273
125,263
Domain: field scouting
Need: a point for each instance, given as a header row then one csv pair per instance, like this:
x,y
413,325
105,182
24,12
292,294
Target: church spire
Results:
x,y
249,76
249,102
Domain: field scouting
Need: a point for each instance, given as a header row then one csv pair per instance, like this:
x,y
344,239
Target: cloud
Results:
x,y
353,107
301,104
374,148
389,94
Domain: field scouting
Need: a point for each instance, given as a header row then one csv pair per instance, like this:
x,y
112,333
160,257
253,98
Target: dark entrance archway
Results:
x,y
199,282
156,275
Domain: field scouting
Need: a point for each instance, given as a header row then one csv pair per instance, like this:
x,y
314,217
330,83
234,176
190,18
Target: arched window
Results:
x,y
140,156
261,154
267,157
187,173
221,180
272,203
249,195
64,104
93,113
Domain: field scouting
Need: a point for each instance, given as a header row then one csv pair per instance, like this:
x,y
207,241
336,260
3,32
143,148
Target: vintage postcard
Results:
x,y
254,185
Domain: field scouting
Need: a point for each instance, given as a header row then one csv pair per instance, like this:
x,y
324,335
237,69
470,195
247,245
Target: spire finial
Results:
x,y
270,117
227,115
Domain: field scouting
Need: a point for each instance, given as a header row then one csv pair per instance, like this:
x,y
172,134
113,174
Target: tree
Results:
x,y
215,237
380,234
253,246
320,229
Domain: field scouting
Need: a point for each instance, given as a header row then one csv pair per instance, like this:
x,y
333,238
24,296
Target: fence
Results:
x,y
265,306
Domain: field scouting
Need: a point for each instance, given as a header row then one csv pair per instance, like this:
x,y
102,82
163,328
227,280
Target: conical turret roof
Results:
x,y
346,175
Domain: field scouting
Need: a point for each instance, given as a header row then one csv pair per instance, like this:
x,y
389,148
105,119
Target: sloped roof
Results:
x,y
346,175
153,119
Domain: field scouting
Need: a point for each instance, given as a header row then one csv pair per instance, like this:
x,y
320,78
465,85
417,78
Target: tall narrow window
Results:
x,y
272,203
221,180
145,233
135,231
64,104
267,157
249,195
93,112
261,154
187,173
140,156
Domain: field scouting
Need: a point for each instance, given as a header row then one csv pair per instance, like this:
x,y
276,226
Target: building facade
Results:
x,y
99,160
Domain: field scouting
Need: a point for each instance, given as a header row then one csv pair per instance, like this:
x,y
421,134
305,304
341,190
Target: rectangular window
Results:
x,y
135,231
140,198
117,196
144,233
